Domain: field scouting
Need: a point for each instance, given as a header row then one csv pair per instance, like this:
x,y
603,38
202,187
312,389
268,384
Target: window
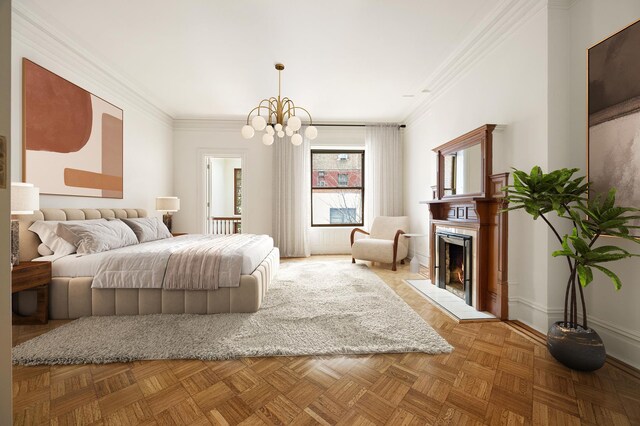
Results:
x,y
337,187
339,215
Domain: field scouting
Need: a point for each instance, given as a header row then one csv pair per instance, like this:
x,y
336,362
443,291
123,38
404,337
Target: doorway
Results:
x,y
223,194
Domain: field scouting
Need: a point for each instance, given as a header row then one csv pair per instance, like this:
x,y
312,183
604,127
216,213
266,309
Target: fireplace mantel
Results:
x,y
481,213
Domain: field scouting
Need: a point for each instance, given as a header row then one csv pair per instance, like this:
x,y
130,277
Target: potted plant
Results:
x,y
571,342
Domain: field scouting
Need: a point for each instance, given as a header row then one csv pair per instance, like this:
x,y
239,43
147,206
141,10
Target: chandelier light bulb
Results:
x,y
267,139
288,131
311,132
270,130
278,127
294,122
258,122
247,131
280,134
296,139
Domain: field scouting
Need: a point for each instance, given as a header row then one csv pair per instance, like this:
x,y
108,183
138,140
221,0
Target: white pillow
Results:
x,y
98,236
148,228
44,250
46,230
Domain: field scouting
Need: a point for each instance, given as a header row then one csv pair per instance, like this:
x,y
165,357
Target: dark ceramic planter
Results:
x,y
576,348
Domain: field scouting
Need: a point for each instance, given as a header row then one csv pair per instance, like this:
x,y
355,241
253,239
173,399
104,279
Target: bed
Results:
x,y
71,294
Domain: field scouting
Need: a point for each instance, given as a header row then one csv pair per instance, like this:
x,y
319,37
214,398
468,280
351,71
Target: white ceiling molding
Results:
x,y
202,124
28,28
506,17
561,4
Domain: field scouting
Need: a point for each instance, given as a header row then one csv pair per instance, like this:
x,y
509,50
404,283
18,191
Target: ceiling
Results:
x,y
346,60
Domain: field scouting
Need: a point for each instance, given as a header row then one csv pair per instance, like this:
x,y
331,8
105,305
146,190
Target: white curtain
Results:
x,y
291,177
383,172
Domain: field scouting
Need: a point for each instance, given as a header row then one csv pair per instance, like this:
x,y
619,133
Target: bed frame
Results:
x,y
74,298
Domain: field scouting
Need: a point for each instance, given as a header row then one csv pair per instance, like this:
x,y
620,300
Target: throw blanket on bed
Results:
x,y
191,262
209,265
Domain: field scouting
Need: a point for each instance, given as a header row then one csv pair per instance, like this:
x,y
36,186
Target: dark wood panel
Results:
x,y
28,275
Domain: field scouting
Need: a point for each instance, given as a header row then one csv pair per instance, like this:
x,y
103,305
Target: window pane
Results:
x,y
337,206
336,169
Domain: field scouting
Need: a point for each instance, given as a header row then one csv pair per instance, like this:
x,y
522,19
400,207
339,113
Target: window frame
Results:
x,y
360,188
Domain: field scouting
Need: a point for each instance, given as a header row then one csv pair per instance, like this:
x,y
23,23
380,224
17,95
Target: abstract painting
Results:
x,y
614,116
72,139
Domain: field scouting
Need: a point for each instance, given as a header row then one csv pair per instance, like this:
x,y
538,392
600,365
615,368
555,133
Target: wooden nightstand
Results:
x,y
32,276
177,234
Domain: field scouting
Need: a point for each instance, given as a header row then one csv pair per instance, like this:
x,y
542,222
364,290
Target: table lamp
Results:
x,y
25,198
167,205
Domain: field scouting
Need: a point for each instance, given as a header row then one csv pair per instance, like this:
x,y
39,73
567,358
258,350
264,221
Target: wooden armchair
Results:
x,y
384,243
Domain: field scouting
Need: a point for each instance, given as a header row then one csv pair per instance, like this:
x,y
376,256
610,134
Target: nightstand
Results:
x,y
177,234
32,276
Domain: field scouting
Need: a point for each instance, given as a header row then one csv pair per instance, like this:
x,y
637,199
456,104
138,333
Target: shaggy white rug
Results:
x,y
313,308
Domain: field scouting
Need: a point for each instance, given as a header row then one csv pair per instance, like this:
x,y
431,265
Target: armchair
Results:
x,y
384,243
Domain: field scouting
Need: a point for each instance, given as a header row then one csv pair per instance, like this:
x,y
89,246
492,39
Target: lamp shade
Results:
x,y
25,198
168,204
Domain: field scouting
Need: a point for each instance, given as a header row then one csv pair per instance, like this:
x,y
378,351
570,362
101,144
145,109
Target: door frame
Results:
x,y
203,155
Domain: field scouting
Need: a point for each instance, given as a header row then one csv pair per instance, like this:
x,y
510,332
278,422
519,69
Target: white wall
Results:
x,y
335,240
5,274
614,314
148,170
507,86
194,138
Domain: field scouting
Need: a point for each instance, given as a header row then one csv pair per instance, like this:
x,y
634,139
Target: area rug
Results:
x,y
312,308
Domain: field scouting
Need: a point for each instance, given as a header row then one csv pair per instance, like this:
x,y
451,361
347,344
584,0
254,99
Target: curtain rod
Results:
x,y
402,126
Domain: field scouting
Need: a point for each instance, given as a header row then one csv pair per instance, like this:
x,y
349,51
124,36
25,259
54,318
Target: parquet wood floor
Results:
x,y
496,375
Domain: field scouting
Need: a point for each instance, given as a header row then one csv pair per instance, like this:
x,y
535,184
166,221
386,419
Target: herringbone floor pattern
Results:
x,y
495,376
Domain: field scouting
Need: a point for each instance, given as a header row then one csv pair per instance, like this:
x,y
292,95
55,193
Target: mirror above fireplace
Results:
x,y
462,172
464,165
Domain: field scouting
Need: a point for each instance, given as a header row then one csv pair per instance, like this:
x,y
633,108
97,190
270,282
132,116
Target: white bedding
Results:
x,y
88,265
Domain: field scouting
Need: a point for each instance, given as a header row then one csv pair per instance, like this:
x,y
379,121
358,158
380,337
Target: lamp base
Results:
x,y
15,242
166,218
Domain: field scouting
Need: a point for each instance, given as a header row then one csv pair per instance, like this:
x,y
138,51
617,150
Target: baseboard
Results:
x,y
538,337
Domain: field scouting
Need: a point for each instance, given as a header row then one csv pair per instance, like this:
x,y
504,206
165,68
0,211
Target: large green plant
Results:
x,y
559,191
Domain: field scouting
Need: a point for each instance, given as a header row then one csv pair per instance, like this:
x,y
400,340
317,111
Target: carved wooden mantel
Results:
x,y
479,212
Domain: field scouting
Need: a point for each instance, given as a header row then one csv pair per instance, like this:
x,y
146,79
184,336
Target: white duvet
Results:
x,y
144,265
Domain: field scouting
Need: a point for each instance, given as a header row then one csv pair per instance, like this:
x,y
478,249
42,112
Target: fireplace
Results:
x,y
454,266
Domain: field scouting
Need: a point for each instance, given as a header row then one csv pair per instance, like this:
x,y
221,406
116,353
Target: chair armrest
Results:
x,y
395,246
353,233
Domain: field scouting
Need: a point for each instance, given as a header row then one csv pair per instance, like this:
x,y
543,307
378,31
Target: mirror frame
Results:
x,y
481,136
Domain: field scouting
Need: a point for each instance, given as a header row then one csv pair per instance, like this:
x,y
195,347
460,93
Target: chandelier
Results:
x,y
277,112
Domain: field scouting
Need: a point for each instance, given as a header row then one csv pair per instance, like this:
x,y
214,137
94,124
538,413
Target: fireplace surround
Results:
x,y
454,264
468,199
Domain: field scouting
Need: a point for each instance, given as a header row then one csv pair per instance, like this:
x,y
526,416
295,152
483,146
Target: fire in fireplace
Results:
x,y
453,263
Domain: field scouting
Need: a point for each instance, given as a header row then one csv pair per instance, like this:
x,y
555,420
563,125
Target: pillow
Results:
x,y
97,236
148,228
44,250
46,230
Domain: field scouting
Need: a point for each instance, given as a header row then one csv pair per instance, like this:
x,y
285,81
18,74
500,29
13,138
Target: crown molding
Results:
x,y
497,26
202,124
29,28
561,4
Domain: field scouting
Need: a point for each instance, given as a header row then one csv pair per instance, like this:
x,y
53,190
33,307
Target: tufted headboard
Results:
x,y
29,241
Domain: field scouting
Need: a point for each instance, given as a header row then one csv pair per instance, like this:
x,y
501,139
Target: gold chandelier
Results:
x,y
277,112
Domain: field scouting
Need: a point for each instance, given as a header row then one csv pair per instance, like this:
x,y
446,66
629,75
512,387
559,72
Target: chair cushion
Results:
x,y
385,227
377,250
